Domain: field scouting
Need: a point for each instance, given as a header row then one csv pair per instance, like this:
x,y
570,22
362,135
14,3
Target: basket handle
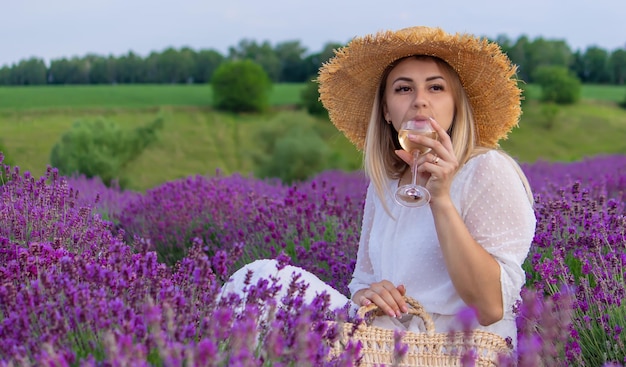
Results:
x,y
415,309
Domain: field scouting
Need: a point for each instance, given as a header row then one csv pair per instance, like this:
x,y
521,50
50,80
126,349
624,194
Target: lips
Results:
x,y
421,118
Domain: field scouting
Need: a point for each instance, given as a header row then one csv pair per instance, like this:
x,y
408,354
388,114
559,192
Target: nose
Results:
x,y
420,99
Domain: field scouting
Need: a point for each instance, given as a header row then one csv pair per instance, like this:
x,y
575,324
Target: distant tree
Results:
x,y
262,54
175,66
517,54
98,70
186,64
69,71
131,68
206,62
578,65
30,72
241,86
293,67
595,66
59,72
504,42
558,84
309,98
314,61
151,68
617,66
102,70
5,75
543,52
288,62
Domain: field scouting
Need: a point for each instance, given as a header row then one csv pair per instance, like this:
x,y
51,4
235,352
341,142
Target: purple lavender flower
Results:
x,y
93,276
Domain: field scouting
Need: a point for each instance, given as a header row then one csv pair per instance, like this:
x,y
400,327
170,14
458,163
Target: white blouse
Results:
x,y
493,203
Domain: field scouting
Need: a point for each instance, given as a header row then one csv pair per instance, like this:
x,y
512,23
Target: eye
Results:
x,y
403,88
437,87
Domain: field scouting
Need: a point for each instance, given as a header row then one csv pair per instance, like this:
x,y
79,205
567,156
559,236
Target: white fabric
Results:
x,y
493,203
491,199
268,269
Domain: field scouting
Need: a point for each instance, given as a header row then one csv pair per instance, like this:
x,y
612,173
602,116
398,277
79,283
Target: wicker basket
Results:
x,y
424,349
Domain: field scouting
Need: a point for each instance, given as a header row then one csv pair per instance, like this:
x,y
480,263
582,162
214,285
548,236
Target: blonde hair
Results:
x,y
380,160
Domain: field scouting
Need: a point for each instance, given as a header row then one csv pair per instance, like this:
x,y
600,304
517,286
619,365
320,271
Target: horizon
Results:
x,y
75,28
309,51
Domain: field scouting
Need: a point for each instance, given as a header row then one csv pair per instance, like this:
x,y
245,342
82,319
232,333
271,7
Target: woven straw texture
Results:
x,y
424,349
349,80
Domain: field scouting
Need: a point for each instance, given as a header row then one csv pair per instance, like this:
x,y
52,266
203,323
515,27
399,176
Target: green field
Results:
x,y
122,96
193,140
196,139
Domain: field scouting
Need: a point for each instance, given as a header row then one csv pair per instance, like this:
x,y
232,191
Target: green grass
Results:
x,y
123,96
602,94
99,96
197,140
610,93
581,130
193,140
203,142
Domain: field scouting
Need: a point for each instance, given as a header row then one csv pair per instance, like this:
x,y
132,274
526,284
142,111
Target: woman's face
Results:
x,y
417,88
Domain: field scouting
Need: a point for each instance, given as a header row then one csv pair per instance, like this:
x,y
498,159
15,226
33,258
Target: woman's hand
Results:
x,y
436,168
385,295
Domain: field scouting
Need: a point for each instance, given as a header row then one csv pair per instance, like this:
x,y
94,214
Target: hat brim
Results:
x,y
349,81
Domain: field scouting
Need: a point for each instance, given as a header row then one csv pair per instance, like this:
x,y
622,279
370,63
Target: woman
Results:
x,y
465,248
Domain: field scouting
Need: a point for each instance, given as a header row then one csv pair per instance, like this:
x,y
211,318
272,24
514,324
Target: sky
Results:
x,y
66,28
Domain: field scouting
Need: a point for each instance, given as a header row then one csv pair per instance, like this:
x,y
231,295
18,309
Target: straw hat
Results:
x,y
349,81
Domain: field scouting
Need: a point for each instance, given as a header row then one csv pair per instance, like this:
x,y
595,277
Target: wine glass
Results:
x,y
414,195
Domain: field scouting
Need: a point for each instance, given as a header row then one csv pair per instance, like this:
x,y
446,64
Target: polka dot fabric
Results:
x,y
492,201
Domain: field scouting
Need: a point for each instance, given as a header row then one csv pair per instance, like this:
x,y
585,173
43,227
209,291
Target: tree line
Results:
x,y
288,62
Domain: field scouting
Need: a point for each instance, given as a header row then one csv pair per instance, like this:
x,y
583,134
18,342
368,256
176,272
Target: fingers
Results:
x,y
441,153
444,138
437,147
402,289
387,297
365,301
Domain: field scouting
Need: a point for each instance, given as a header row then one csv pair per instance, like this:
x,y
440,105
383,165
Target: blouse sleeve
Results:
x,y
363,274
499,215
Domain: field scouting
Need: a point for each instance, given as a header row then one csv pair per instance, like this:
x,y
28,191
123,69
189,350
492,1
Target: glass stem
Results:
x,y
416,153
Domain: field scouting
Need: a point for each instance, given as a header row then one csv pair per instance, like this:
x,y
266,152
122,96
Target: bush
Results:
x,y
241,86
291,149
558,84
622,104
549,112
101,149
296,157
309,98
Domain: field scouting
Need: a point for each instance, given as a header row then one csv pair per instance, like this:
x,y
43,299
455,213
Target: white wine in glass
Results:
x,y
414,195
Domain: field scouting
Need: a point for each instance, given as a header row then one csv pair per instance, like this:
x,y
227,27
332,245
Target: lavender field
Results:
x,y
95,276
